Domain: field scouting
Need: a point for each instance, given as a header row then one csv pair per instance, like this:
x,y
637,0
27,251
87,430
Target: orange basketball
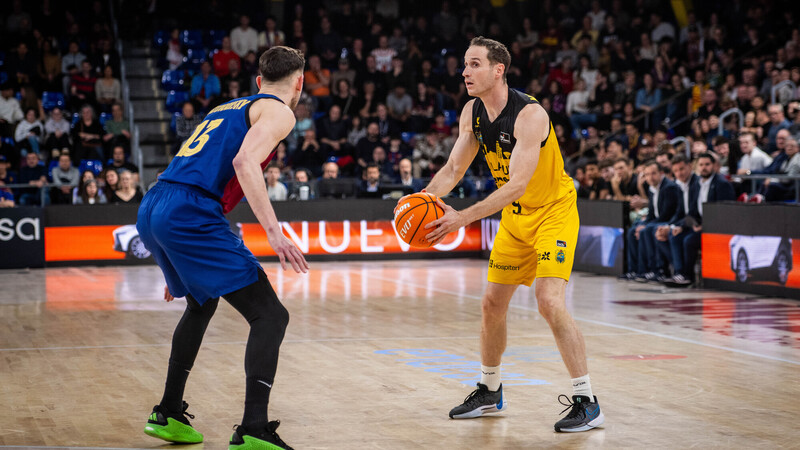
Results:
x,y
411,216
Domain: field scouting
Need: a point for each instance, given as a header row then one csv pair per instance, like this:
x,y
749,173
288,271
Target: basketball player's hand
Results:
x,y
451,221
403,198
287,252
167,296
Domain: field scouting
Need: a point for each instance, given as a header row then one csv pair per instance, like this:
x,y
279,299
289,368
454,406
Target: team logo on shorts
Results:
x,y
560,256
561,244
544,256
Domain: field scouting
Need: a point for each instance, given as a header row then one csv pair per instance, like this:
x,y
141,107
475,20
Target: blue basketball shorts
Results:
x,y
193,244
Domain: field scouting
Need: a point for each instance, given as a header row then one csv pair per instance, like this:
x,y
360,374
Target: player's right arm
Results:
x,y
462,155
271,122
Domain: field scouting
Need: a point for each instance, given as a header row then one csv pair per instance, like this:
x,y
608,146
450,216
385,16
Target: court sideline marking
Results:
x,y
598,322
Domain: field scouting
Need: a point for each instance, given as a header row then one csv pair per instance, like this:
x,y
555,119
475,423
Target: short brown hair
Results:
x,y
497,52
279,62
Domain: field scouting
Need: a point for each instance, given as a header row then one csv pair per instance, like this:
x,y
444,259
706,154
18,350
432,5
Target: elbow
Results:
x,y
517,190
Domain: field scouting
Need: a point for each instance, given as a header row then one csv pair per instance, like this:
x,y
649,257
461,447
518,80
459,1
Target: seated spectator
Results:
x,y
244,38
776,191
50,67
7,176
424,104
387,126
231,92
370,185
223,57
368,102
597,187
405,176
108,90
379,159
127,192
753,158
344,72
271,36
396,151
624,184
317,81
175,51
85,176
205,88
87,137
383,54
684,238
235,74
578,107
277,191
367,144
303,122
310,153
74,57
330,171
56,131
82,85
345,100
109,181
91,195
647,98
399,105
120,163
29,133
332,131
185,124
10,111
664,207
34,174
106,56
65,179
425,150
21,65
6,198
778,122
117,129
31,99
302,187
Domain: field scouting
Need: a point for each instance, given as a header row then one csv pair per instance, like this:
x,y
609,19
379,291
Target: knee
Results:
x,y
550,306
493,307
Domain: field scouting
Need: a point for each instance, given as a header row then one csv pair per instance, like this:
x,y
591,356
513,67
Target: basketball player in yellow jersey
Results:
x,y
538,231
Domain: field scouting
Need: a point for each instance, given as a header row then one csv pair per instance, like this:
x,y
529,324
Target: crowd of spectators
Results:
x,y
61,106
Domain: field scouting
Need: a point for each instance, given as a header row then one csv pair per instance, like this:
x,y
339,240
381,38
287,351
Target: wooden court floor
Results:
x,y
377,353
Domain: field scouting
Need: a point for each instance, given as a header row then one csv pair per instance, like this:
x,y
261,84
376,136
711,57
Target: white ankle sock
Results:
x,y
490,376
582,386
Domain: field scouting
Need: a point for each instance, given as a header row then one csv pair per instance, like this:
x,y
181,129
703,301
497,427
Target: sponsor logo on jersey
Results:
x,y
561,244
505,137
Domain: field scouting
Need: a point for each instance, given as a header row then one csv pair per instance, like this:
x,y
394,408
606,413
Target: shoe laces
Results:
x,y
473,397
271,427
185,407
576,407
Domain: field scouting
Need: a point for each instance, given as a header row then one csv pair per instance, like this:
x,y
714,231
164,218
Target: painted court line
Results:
x,y
598,322
287,341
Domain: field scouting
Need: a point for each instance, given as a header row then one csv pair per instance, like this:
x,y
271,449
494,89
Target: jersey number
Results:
x,y
517,207
196,141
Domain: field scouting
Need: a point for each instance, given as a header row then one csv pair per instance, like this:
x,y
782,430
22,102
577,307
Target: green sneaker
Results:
x,y
172,427
264,439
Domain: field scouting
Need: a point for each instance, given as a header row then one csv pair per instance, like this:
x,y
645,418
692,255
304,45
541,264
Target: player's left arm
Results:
x,y
531,128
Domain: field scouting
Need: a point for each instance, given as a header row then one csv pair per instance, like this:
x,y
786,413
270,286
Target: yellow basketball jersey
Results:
x,y
496,139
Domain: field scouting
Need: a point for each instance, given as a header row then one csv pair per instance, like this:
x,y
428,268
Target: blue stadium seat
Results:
x,y
173,123
9,141
53,165
213,38
450,116
95,165
160,38
52,100
75,118
18,96
192,38
172,80
194,59
319,115
2,59
104,117
407,136
175,100
3,77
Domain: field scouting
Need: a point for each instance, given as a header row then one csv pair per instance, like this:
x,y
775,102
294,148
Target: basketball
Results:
x,y
411,216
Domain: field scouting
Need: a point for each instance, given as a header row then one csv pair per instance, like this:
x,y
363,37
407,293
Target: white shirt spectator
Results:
x,y
26,127
685,189
10,110
71,59
756,160
383,58
51,126
242,41
664,29
578,102
70,177
277,192
598,19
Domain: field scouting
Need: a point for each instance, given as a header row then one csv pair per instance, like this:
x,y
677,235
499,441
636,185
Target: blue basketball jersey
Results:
x,y
205,160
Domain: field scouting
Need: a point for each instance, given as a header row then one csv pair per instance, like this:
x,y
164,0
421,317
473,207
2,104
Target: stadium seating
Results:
x,y
51,100
175,100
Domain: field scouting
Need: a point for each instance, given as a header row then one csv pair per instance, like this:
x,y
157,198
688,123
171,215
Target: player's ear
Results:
x,y
300,80
258,82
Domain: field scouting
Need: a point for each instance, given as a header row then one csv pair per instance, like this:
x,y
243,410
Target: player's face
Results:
x,y
479,74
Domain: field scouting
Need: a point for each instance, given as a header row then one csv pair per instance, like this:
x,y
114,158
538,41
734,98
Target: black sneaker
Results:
x,y
264,438
584,414
481,401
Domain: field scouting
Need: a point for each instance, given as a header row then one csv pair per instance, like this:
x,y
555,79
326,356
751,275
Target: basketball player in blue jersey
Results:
x,y
181,221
